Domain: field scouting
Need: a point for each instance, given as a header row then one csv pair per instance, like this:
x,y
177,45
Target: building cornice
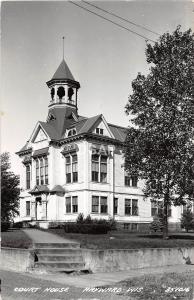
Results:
x,y
88,137
24,152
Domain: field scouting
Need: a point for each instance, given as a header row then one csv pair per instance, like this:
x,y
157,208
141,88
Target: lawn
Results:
x,y
15,239
127,240
167,286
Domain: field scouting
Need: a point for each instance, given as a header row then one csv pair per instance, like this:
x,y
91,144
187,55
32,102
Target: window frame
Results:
x,y
99,168
99,207
131,209
72,167
28,208
28,176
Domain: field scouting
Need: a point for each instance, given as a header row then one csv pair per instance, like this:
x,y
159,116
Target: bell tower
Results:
x,y
63,88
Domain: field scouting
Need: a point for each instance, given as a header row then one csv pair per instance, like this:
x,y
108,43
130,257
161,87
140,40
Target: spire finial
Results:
x,y
63,47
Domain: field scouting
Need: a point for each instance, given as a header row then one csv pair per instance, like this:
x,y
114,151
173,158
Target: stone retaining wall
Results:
x,y
105,260
115,260
16,259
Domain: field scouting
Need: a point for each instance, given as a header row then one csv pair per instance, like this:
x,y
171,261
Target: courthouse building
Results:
x,y
74,164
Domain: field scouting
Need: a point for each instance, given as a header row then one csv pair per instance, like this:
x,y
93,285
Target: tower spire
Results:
x,y
63,47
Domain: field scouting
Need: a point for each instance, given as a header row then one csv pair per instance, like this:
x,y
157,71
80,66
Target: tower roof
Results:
x,y
63,72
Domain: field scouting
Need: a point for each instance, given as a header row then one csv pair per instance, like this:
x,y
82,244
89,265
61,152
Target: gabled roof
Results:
x,y
39,189
63,72
89,123
118,132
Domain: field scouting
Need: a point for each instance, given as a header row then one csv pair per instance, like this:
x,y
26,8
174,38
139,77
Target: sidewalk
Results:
x,y
39,236
102,279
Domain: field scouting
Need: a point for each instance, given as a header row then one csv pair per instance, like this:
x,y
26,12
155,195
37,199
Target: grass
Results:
x,y
127,240
158,286
15,239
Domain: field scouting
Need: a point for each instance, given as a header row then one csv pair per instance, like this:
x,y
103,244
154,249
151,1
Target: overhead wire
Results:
x,y
119,25
123,19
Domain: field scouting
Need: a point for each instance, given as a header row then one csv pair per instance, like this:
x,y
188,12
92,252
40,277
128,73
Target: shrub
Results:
x,y
18,225
80,219
86,228
156,224
88,220
5,226
187,220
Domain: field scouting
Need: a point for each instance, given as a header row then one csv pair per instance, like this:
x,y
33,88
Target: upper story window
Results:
x,y
131,180
131,207
100,131
99,168
71,168
42,170
28,176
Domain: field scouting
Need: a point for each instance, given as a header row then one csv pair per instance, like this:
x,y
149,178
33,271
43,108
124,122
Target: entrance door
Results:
x,y
38,208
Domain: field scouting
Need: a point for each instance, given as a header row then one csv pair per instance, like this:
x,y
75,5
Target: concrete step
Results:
x,y
60,265
64,251
59,257
58,270
57,245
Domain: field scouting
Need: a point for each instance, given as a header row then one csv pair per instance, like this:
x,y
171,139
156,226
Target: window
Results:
x,y
99,205
127,180
131,207
115,206
103,205
68,204
27,208
74,168
134,226
99,168
127,206
71,132
134,181
95,167
95,204
37,172
71,168
28,174
103,168
156,208
41,171
74,204
134,207
131,180
71,204
100,131
46,170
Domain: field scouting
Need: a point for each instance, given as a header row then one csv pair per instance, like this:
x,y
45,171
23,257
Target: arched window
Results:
x,y
61,92
52,93
70,93
71,132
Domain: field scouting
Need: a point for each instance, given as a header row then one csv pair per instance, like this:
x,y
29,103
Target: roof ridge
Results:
x,y
117,125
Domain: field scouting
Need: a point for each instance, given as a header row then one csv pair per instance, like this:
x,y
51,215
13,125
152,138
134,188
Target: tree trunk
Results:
x,y
165,218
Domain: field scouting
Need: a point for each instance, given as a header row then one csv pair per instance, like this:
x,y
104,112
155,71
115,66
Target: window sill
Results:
x,y
95,213
99,182
131,215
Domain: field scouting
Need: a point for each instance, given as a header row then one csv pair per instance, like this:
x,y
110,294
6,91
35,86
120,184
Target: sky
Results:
x,y
104,58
